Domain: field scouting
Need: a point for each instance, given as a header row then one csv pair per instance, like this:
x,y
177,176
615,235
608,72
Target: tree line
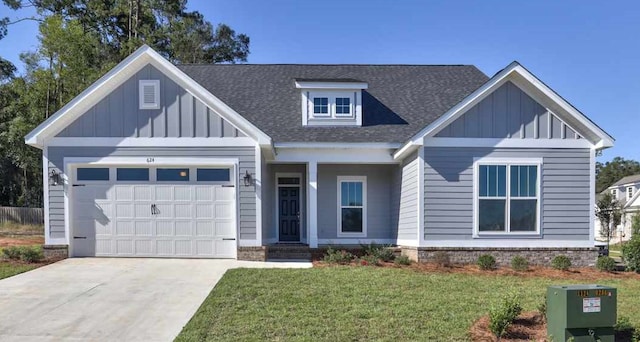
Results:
x,y
79,41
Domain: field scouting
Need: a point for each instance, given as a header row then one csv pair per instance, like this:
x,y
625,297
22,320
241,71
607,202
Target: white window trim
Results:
x,y
629,193
156,90
335,107
614,193
508,162
313,106
362,179
331,103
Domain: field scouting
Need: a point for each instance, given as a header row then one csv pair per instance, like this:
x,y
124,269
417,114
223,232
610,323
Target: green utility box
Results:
x,y
581,313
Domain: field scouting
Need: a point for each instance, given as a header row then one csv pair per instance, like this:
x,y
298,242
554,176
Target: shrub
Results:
x,y
519,263
31,254
333,256
501,316
12,252
606,264
625,331
487,262
442,259
369,260
402,260
561,262
381,252
542,307
631,249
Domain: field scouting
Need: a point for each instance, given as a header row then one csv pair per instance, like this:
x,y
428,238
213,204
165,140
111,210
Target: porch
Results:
x,y
319,204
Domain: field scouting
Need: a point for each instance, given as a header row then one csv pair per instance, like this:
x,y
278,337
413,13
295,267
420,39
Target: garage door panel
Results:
x,y
205,228
204,247
143,228
144,247
182,193
224,229
184,247
183,228
223,193
164,228
183,211
165,220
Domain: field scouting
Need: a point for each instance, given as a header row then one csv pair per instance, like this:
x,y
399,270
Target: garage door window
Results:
x,y
93,174
214,175
132,174
172,175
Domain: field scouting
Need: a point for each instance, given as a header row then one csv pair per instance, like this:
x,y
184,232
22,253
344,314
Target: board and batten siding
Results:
x,y
379,188
246,194
448,192
407,189
508,112
180,114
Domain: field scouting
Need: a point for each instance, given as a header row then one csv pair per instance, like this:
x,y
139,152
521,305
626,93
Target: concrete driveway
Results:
x,y
102,299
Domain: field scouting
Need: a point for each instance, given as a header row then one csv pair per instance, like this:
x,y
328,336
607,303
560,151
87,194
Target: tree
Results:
x,y
631,249
612,171
80,40
609,213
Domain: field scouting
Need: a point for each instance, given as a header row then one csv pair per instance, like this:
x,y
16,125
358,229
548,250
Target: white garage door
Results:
x,y
154,212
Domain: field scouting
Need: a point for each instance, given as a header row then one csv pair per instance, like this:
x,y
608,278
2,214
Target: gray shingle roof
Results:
x,y
627,180
400,100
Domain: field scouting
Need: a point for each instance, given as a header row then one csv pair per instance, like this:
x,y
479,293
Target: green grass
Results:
x,y
8,269
363,303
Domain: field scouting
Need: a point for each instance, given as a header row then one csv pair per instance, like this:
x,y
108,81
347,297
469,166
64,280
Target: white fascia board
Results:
x,y
331,85
336,145
335,156
632,199
152,142
407,149
86,99
118,75
513,72
506,143
151,161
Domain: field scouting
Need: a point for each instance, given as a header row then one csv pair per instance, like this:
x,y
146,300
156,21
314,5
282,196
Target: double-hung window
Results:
x,y
352,206
629,193
508,198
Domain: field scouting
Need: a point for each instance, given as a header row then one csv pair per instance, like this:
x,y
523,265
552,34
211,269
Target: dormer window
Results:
x,y
335,102
321,106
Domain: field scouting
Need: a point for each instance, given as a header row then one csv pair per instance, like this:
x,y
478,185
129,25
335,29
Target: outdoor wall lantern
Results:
x,y
54,178
247,179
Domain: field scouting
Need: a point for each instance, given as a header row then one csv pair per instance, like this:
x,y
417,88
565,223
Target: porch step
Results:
x,y
292,252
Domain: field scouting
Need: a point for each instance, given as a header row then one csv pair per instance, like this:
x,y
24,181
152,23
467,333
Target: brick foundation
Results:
x,y
580,257
252,253
55,251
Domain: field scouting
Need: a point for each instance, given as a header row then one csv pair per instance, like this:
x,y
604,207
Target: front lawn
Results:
x,y
364,303
8,269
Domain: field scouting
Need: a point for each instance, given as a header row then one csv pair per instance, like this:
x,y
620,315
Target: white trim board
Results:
x,y
118,75
506,143
334,156
331,85
533,87
152,142
509,243
339,181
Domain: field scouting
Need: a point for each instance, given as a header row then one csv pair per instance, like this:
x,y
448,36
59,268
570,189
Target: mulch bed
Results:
x,y
21,241
583,273
529,326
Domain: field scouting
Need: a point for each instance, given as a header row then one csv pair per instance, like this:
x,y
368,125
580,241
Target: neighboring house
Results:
x,y
627,192
223,161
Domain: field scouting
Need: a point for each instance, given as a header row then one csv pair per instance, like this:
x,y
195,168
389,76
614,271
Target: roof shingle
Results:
x,y
399,102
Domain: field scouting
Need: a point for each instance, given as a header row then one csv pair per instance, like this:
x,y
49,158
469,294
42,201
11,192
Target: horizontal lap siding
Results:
x,y
379,203
449,191
408,200
246,194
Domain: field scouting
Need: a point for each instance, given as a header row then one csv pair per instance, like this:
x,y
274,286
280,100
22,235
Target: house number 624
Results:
x,y
150,160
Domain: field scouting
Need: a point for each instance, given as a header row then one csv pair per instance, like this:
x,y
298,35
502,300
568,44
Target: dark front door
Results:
x,y
289,217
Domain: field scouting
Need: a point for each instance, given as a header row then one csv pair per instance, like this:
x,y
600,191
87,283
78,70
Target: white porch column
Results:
x,y
312,202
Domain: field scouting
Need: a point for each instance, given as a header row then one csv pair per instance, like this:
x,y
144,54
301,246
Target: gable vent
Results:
x,y
149,91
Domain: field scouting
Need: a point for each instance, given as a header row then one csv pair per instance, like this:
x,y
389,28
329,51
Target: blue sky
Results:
x,y
588,51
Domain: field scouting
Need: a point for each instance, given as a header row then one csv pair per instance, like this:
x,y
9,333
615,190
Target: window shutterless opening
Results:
x,y
172,175
132,174
92,174
213,175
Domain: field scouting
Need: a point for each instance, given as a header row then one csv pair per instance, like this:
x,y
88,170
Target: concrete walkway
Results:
x,y
104,299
